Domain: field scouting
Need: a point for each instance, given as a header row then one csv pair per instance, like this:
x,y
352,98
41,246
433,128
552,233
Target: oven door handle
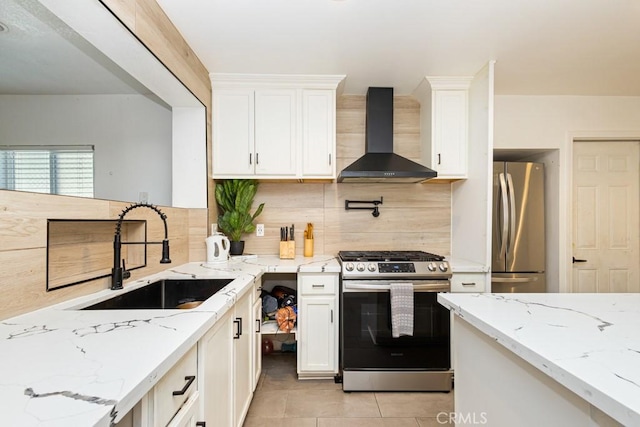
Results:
x,y
439,286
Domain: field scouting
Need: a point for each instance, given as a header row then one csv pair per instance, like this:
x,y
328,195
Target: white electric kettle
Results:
x,y
217,248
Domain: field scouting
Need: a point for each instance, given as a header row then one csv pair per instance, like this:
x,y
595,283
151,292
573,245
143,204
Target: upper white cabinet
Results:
x,y
274,126
275,131
318,133
256,130
233,112
444,112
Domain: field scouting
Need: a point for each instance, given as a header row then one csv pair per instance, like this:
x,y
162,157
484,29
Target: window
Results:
x,y
63,170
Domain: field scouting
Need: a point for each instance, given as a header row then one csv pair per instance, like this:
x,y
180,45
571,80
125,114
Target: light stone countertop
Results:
x,y
67,367
589,343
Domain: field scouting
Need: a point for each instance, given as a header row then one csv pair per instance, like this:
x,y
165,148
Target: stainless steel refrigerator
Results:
x,y
518,244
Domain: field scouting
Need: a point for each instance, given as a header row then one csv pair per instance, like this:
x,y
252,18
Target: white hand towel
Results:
x,y
401,309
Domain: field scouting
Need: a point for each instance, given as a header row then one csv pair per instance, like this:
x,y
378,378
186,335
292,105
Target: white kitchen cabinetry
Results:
x,y
275,132
216,373
175,388
233,112
256,350
274,127
444,117
243,378
317,325
188,414
468,282
226,387
318,133
254,132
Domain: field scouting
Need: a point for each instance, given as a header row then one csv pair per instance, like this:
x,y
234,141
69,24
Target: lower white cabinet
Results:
x,y
175,388
256,347
244,338
317,325
468,282
188,414
211,385
215,353
226,355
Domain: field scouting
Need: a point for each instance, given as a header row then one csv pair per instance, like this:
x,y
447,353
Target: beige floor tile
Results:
x,y
330,403
267,404
425,405
367,422
284,380
279,422
441,421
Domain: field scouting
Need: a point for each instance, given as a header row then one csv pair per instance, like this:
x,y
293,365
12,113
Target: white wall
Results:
x,y
552,122
132,137
189,157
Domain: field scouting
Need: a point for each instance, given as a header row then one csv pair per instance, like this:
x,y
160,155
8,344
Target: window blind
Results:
x,y
63,170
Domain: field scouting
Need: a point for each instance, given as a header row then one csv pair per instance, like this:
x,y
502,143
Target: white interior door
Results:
x,y
605,216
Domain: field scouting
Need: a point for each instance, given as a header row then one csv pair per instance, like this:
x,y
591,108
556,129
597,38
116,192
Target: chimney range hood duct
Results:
x,y
380,164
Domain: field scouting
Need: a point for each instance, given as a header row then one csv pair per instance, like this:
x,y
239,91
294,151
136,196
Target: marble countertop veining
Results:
x,y
589,343
63,366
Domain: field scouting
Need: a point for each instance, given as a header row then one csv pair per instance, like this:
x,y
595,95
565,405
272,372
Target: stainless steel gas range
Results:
x,y
371,358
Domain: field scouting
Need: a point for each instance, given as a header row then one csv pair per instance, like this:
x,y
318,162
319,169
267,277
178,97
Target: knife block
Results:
x,y
288,249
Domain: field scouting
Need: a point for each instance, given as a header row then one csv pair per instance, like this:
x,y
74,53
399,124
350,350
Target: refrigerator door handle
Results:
x,y
512,214
505,217
514,279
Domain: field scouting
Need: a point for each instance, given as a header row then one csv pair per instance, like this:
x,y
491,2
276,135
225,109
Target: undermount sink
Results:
x,y
164,294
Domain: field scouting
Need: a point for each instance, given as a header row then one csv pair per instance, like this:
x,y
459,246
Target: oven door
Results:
x,y
366,340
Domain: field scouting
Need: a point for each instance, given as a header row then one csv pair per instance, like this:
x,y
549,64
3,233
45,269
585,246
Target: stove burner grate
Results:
x,y
372,256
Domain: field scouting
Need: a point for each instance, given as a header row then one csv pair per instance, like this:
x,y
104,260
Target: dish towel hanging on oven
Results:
x,y
401,309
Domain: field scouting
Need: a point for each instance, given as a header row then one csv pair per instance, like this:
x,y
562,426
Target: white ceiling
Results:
x,y
565,47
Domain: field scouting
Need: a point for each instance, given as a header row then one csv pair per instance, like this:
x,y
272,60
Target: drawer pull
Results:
x,y
201,424
238,322
317,286
468,283
189,379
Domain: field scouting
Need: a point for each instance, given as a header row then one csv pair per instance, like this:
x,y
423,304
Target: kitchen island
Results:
x,y
546,359
63,366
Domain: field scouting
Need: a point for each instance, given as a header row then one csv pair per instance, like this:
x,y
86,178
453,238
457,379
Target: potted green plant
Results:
x,y
234,198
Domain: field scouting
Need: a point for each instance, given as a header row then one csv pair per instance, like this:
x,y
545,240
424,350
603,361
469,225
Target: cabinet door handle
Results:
x,y
250,158
257,158
468,283
259,322
438,158
238,322
189,379
329,159
331,315
201,424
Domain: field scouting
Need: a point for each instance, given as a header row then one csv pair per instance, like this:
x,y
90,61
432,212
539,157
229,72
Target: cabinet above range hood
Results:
x,y
380,163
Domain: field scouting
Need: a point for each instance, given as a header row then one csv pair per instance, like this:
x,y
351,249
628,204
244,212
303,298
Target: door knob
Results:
x,y
574,260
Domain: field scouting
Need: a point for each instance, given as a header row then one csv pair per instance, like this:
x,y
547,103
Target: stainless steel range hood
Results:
x,y
380,163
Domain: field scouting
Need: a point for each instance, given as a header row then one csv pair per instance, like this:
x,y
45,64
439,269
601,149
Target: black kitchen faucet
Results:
x,y
118,274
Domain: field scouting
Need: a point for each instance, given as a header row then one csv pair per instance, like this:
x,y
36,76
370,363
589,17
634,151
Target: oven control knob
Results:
x,y
443,267
431,267
348,266
371,267
360,266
